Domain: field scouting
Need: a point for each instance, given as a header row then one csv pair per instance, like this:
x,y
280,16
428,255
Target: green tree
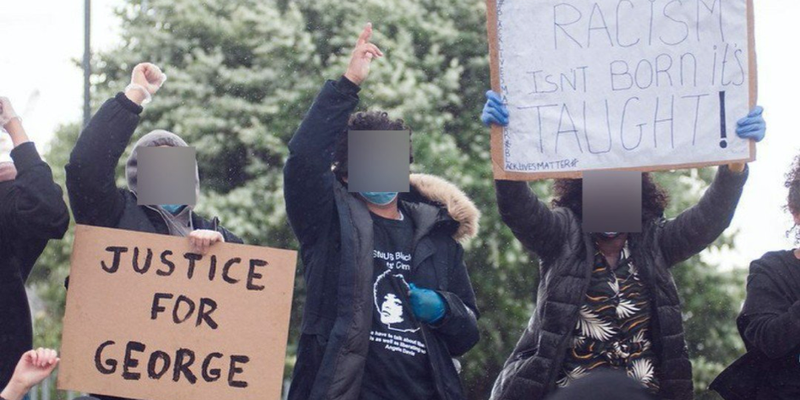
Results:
x,y
243,72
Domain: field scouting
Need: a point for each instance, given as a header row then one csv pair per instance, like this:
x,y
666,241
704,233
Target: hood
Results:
x,y
444,194
153,139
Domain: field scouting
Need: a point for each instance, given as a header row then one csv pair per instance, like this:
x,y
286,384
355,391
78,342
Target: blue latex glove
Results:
x,y
427,305
494,112
753,125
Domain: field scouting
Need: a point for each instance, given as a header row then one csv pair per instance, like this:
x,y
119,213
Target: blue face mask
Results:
x,y
172,208
379,198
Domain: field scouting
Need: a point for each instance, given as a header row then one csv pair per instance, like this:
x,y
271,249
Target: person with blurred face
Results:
x,y
607,300
769,322
91,179
33,367
32,211
389,301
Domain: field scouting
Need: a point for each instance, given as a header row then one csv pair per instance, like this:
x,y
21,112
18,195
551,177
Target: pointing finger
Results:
x,y
365,34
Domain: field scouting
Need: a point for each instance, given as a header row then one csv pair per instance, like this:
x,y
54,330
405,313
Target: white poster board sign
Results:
x,y
620,84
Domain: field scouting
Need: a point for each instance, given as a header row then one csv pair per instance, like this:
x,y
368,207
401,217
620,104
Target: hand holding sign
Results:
x,y
362,57
150,317
203,239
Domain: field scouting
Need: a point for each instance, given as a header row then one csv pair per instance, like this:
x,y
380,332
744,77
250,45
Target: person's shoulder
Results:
x,y
773,262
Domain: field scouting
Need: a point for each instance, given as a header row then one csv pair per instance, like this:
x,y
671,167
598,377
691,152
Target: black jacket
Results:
x,y
335,231
565,253
769,325
91,183
32,211
94,197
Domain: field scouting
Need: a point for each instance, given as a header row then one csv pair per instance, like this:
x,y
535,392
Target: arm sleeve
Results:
x,y
35,207
772,321
307,176
537,227
459,328
91,184
699,226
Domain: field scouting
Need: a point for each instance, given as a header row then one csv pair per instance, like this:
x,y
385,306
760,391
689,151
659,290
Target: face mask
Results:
x,y
172,208
379,198
610,235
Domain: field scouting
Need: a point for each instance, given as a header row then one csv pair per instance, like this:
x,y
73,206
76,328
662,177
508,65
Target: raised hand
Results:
x,y
7,112
32,368
362,56
146,80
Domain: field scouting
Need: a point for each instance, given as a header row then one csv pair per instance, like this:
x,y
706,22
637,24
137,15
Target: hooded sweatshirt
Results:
x,y
179,224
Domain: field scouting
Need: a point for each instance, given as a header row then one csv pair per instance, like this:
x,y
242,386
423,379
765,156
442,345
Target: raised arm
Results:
x,y
34,206
307,177
537,227
698,227
91,184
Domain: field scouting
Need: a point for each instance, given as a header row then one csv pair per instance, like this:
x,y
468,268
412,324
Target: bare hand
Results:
x,y
7,112
32,368
202,240
146,77
362,57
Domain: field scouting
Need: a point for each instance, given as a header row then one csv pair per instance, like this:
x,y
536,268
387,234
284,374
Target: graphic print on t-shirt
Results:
x,y
389,304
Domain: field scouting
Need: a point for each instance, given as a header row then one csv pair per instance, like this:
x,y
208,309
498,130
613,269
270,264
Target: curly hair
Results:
x,y
793,200
569,194
365,121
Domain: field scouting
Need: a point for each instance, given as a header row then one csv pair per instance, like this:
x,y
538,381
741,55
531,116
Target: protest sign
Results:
x,y
620,84
147,318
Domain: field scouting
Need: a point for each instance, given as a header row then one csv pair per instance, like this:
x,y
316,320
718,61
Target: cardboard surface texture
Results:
x,y
146,318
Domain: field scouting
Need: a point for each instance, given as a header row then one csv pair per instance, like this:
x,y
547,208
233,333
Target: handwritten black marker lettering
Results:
x,y
152,371
148,260
723,123
252,275
167,262
98,363
182,300
192,257
207,306
131,362
117,250
157,307
184,358
234,369
226,270
212,374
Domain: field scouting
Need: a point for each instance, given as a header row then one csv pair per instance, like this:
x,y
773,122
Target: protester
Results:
x,y
33,367
769,322
95,199
371,330
32,211
608,300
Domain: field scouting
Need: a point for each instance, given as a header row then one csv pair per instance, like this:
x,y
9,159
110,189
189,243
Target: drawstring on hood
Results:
x,y
181,223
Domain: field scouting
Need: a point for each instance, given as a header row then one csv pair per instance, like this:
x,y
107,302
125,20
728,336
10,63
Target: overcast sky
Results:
x,y
40,39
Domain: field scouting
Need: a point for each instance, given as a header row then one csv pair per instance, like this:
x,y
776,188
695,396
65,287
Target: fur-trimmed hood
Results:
x,y
445,194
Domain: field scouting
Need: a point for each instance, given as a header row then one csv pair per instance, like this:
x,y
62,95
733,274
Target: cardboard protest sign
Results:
x,y
147,318
620,84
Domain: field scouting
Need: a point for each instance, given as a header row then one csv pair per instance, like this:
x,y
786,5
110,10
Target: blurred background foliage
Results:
x,y
242,73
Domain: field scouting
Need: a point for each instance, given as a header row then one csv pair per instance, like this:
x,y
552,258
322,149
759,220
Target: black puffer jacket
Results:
x,y
565,253
32,211
335,231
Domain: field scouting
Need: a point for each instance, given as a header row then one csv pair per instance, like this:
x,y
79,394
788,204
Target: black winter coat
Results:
x,y
91,184
32,211
565,253
770,328
94,197
335,231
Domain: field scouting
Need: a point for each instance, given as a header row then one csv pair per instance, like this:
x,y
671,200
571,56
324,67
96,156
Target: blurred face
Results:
x,y
166,175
